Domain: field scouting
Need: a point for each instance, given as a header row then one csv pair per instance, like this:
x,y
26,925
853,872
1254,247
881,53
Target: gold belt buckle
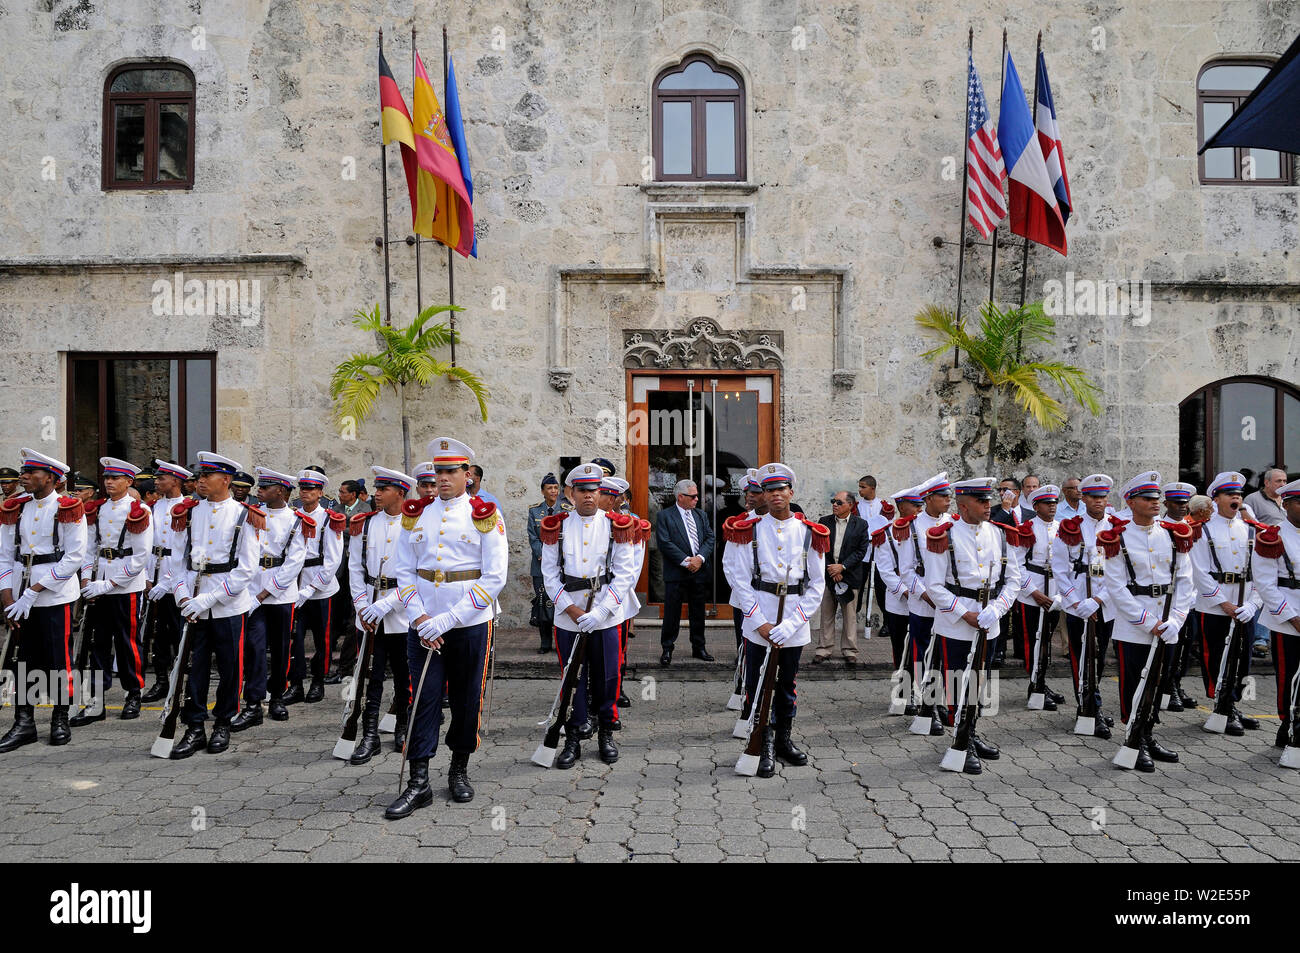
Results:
x,y
439,576
1230,578
982,594
383,582
782,588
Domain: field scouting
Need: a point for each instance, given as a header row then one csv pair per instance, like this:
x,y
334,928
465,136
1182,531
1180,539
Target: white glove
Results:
x,y
593,620
303,596
436,627
1246,612
1056,604
374,613
22,605
1086,608
198,605
93,590
988,618
1169,634
157,592
781,632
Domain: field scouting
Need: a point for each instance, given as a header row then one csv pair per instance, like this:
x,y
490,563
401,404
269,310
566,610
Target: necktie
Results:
x,y
692,534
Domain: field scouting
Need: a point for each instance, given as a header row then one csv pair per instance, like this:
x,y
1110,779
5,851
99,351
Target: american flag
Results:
x,y
985,203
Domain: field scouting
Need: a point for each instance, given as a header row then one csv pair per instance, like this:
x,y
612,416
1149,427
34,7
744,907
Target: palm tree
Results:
x,y
407,358
995,350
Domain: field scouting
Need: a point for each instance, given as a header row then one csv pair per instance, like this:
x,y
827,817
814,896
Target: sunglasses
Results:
x,y
839,502
691,496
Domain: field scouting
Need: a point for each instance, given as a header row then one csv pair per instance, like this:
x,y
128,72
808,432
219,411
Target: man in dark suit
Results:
x,y
1010,511
685,541
845,577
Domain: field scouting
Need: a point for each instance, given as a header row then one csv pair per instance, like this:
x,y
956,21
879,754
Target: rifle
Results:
x,y
1038,671
545,753
147,621
871,595
921,723
1144,699
1291,753
737,700
760,709
1086,721
1224,692
897,705
166,740
354,695
9,640
954,759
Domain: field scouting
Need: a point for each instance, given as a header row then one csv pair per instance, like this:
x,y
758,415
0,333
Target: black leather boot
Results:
x,y
458,779
1158,751
248,716
1187,700
1049,703
277,711
131,707
767,757
1054,695
316,692
1100,729
157,692
1283,735
571,753
60,733
195,739
1175,703
1235,727
624,701
399,732
605,742
334,677
84,717
220,739
294,694
586,729
418,794
369,745
23,732
989,752
973,765
786,750
1144,762
1247,722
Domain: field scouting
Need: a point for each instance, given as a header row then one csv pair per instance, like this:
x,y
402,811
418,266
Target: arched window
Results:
x,y
149,127
699,122
1245,424
1221,88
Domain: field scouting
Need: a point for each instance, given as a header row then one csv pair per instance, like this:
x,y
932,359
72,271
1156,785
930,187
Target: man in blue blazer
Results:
x,y
685,541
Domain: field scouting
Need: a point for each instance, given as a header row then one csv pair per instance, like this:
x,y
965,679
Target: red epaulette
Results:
x,y
1070,531
646,530
937,539
1268,542
741,529
887,509
481,509
1197,526
308,524
12,508
138,519
71,509
90,509
624,528
1027,535
181,514
1181,533
902,529
256,516
549,530
821,535
416,506
1014,534
358,522
1109,541
878,538
338,522
1116,521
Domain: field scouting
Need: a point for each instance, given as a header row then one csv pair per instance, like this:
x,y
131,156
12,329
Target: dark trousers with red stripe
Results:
x,y
45,646
460,664
1132,658
1075,628
1214,633
269,626
921,630
896,626
116,622
600,672
1286,662
166,623
313,614
223,638
785,695
951,655
1024,630
390,650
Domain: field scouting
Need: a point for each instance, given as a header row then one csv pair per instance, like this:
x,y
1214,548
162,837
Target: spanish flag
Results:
x,y
395,124
442,208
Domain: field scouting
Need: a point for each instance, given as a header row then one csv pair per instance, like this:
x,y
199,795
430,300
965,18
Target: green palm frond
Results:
x,y
1028,393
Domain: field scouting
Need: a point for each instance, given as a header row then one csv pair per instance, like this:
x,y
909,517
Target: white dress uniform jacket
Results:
x,y
155,569
373,552
892,554
984,557
1070,568
1151,552
283,537
212,532
587,542
1277,582
321,580
33,534
1038,554
126,573
784,555
913,569
1228,541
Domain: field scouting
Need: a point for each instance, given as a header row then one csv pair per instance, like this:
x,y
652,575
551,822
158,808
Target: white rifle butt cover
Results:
x,y
388,724
162,747
1164,702
953,760
920,725
1216,723
1290,757
747,765
343,749
544,756
1036,701
1126,757
742,729
1084,725
897,706
736,703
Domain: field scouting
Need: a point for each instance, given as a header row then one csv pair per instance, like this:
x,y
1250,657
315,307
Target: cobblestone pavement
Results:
x,y
872,792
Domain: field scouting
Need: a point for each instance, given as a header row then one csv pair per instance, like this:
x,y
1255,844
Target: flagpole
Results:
x,y
965,174
419,297
993,263
451,258
1024,258
383,171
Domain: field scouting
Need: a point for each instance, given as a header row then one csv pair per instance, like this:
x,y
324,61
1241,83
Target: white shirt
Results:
x,y
1039,554
211,532
1066,510
868,508
381,534
444,537
692,531
1281,605
126,573
1151,553
890,556
163,536
782,545
322,580
586,542
979,555
1231,541
1073,587
280,582
913,579
34,533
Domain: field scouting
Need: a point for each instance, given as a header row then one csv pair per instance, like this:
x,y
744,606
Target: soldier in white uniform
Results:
x,y
282,547
118,541
451,565
936,494
1277,581
1220,563
612,499
1038,589
1144,559
892,546
1177,497
1078,569
316,587
589,558
972,576
426,479
213,562
42,547
372,578
777,564
168,480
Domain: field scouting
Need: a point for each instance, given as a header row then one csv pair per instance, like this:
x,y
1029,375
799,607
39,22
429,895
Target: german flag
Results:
x,y
443,210
395,125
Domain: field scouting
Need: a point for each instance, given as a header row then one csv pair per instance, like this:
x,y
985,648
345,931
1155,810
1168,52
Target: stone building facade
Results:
x,y
598,286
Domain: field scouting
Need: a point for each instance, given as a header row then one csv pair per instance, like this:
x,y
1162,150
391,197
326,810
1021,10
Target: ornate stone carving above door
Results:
x,y
702,343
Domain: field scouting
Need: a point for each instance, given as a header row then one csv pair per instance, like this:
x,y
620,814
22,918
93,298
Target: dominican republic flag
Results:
x,y
1049,140
1034,212
985,173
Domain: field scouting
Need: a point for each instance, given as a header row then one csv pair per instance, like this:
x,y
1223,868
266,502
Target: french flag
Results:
x,y
1034,210
1049,140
